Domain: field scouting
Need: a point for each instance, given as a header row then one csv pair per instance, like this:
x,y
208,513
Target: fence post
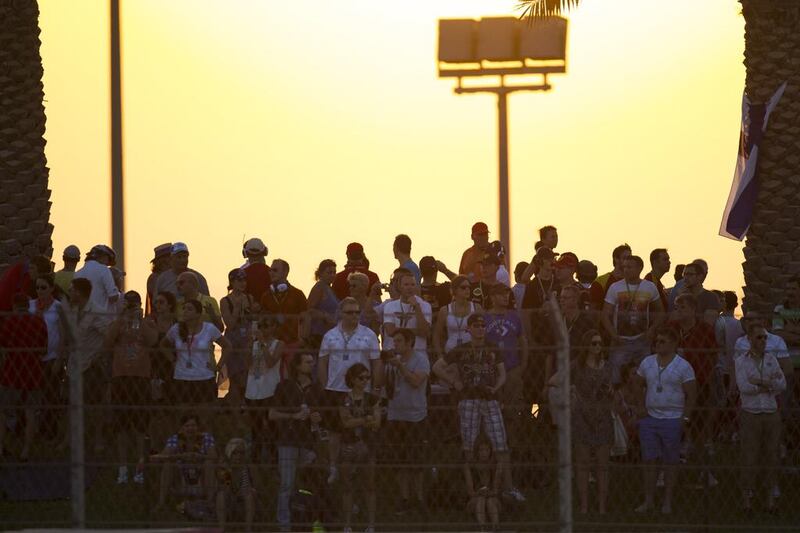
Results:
x,y
76,442
562,416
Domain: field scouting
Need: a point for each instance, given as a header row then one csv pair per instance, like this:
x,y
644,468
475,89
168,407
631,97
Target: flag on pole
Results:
x,y
742,198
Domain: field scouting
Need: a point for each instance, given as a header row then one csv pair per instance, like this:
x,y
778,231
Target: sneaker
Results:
x,y
333,474
776,491
122,475
592,478
370,529
660,480
403,508
712,481
516,495
138,478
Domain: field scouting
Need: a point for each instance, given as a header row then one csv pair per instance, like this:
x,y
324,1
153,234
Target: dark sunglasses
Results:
x,y
42,287
363,377
351,312
596,343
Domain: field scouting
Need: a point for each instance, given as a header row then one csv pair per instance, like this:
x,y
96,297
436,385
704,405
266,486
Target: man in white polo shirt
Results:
x,y
342,347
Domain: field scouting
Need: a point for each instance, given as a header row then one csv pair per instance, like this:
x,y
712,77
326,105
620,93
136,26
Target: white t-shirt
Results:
x,y
102,281
195,356
631,304
776,346
53,322
665,397
727,329
403,316
343,351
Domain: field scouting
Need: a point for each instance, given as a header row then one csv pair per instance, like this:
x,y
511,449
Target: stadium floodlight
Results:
x,y
502,46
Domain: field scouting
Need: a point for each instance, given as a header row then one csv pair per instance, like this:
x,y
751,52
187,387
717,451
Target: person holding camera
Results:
x,y
409,311
476,371
130,340
406,378
360,416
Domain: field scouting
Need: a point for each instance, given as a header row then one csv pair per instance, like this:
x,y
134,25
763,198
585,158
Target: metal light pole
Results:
x,y
501,46
117,189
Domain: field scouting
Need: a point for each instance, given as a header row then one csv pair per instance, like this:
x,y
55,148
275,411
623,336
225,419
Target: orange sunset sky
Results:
x,y
312,124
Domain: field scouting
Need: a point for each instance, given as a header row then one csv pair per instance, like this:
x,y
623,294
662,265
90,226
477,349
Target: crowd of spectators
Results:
x,y
345,379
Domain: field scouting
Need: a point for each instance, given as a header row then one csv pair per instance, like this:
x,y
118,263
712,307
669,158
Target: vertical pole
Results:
x,y
76,443
502,157
117,193
562,412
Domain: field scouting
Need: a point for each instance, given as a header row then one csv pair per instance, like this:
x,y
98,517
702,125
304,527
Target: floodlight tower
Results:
x,y
502,46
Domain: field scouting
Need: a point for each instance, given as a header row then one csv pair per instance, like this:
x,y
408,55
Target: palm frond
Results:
x,y
534,9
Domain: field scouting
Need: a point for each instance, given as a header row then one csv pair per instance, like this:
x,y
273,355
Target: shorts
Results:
x,y
95,384
660,439
193,392
16,398
330,413
404,442
130,396
472,414
358,452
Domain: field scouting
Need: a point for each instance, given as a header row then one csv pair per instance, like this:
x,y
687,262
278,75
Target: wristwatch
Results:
x,y
686,419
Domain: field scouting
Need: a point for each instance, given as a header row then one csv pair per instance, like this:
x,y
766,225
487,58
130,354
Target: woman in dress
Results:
x,y
322,303
592,427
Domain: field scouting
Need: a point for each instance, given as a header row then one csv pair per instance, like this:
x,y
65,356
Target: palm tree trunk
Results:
x,y
772,56
25,227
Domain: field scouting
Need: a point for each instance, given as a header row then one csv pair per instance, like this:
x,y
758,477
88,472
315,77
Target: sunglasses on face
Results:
x,y
465,286
596,343
42,287
363,377
351,312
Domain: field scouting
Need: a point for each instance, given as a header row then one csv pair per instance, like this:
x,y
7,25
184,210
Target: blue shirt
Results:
x,y
504,331
412,267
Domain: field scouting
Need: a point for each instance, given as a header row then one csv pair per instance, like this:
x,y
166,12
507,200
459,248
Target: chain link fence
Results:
x,y
112,439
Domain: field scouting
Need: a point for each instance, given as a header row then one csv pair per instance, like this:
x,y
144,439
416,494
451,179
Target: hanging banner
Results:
x,y
742,198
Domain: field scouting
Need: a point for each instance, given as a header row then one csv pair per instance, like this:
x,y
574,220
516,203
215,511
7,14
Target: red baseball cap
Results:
x,y
479,227
355,250
567,260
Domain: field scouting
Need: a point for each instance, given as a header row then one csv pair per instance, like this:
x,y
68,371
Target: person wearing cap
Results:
x,y
402,252
476,373
592,293
96,269
504,330
64,276
179,263
258,274
481,292
131,342
565,267
356,262
238,312
470,259
158,264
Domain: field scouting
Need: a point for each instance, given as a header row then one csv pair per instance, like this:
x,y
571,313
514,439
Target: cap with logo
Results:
x,y
567,260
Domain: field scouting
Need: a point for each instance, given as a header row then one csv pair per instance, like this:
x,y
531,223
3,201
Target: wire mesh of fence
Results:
x,y
127,423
